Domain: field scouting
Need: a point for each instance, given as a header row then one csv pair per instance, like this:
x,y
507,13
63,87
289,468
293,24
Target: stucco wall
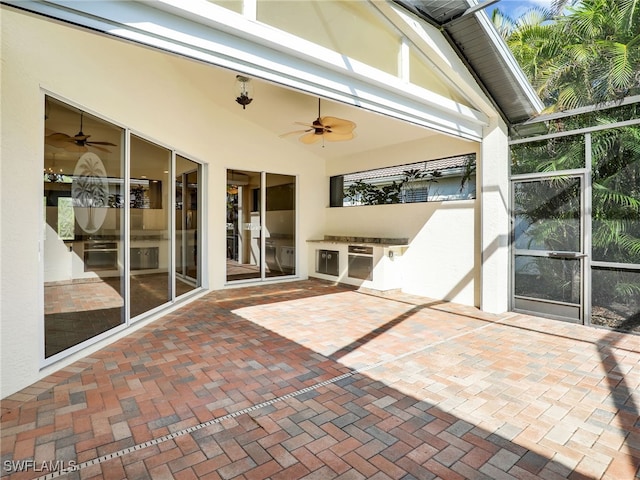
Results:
x,y
442,260
161,97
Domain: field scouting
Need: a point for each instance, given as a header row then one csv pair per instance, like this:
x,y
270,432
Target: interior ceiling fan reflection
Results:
x,y
78,143
332,129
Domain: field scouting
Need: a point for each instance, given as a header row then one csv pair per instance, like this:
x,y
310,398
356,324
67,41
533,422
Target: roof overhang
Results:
x,y
211,34
479,45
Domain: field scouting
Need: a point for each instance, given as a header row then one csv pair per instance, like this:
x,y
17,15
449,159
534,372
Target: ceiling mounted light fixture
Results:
x,y
244,91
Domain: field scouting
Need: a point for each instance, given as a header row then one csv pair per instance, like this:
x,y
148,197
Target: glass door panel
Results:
x,y
187,221
150,244
83,227
280,225
244,225
548,247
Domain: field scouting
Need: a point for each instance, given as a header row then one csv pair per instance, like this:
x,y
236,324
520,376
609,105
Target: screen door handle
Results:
x,y
567,255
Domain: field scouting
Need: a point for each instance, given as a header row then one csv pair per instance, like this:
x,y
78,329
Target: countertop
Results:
x,y
366,241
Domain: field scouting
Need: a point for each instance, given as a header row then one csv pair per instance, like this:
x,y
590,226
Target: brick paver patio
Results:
x,y
310,380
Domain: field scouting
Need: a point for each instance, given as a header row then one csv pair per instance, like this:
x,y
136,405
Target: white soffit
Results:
x,y
212,34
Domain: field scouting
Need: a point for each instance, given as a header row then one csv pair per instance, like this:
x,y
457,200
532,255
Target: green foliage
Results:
x,y
365,193
578,53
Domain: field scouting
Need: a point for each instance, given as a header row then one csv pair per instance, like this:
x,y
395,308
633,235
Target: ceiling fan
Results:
x,y
332,129
78,143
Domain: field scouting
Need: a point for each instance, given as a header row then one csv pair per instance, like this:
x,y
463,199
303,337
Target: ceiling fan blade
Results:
x,y
59,137
102,143
338,125
58,140
310,138
97,147
338,137
295,132
310,125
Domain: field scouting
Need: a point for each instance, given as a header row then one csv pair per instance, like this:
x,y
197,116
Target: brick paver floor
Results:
x,y
310,380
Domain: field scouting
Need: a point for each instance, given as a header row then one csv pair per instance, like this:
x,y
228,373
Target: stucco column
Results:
x,y
494,218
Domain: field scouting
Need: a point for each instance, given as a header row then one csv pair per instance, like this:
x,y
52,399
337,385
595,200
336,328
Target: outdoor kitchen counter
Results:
x,y
368,262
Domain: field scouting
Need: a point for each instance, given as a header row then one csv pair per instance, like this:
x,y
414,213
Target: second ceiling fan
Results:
x,y
332,129
78,143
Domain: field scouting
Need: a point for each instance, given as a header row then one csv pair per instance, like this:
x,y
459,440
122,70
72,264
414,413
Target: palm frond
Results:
x,y
608,195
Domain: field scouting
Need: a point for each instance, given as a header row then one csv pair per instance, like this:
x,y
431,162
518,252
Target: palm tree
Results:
x,y
578,53
529,38
601,59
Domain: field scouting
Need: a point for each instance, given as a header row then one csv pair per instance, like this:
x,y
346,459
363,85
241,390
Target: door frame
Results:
x,y
549,308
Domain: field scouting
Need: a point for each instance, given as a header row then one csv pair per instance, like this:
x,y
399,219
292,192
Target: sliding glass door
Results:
x,y
110,252
261,225
84,274
280,225
244,225
150,239
187,221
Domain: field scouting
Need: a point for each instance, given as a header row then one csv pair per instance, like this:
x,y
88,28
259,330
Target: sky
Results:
x,y
515,8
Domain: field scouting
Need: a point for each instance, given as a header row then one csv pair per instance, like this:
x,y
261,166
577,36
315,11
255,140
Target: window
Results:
x,y
439,180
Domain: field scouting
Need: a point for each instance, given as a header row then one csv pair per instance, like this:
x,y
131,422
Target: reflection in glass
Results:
x,y
280,225
244,225
187,220
547,214
616,298
149,207
550,155
547,278
83,238
616,195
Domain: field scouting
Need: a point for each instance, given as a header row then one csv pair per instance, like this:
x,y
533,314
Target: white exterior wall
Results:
x,y
442,260
163,98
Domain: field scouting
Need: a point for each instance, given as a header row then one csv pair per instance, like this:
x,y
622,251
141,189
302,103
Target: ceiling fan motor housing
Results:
x,y
319,128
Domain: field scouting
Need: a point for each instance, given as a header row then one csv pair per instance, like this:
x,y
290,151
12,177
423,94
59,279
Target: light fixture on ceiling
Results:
x,y
244,91
52,176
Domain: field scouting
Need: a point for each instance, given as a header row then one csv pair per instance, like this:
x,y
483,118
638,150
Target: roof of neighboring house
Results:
x,y
470,32
428,166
